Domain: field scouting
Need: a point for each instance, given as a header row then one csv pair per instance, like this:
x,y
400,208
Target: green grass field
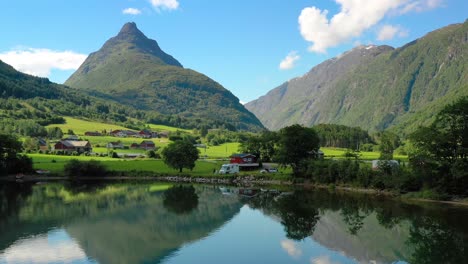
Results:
x,y
80,126
46,162
160,128
221,151
365,155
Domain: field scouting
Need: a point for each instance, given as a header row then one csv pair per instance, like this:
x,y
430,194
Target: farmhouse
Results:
x,y
164,134
243,158
70,146
122,133
115,145
147,134
135,146
43,144
147,144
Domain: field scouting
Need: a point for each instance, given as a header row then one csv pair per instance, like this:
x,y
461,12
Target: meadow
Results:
x,y
80,126
211,157
56,163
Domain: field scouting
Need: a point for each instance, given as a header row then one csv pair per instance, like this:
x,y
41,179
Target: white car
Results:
x,y
269,170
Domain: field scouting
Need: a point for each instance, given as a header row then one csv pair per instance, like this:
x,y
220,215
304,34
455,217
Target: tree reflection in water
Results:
x,y
364,227
382,229
298,215
180,199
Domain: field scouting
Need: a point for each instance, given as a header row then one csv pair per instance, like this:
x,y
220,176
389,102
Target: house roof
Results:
x,y
76,144
242,155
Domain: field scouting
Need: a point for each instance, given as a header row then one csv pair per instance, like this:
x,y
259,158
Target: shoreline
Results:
x,y
240,181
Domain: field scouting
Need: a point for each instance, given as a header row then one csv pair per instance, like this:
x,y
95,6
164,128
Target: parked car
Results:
x,y
269,170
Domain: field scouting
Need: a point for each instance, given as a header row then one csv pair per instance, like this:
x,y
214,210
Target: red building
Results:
x,y
69,146
146,144
243,159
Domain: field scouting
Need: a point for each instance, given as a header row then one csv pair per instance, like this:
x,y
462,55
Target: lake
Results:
x,y
147,222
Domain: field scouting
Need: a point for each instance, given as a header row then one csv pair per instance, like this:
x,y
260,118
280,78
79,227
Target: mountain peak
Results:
x,y
129,28
131,38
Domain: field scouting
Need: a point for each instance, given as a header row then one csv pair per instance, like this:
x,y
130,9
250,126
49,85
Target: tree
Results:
x,y
54,133
180,154
31,143
443,147
388,143
295,146
10,159
262,146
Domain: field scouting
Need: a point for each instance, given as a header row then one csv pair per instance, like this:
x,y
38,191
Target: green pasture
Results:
x,y
80,126
221,151
101,141
160,128
364,155
46,162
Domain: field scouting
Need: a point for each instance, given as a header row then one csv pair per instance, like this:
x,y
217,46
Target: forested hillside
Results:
x,y
375,87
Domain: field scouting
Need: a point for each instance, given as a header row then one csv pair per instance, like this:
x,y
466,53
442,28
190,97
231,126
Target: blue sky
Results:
x,y
248,46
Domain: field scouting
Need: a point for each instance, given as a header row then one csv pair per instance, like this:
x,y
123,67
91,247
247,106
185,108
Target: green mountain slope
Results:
x,y
131,69
375,87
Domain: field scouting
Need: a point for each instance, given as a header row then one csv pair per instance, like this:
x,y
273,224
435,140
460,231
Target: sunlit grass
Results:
x,y
364,155
80,126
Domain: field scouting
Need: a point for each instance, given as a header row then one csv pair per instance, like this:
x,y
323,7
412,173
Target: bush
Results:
x,y
151,154
74,168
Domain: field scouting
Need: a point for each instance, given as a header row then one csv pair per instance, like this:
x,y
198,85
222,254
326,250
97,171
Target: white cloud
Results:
x,y
165,4
291,248
242,102
131,11
322,260
421,5
355,17
290,61
388,32
40,62
38,249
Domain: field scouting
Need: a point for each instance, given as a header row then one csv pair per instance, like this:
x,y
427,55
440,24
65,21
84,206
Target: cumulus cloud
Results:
x,y
131,11
388,32
355,17
291,248
290,61
165,4
40,62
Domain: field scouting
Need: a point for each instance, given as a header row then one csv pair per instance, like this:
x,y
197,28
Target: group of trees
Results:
x,y
440,151
340,136
293,145
11,159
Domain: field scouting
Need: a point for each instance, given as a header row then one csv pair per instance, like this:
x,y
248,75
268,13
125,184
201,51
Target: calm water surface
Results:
x,y
166,223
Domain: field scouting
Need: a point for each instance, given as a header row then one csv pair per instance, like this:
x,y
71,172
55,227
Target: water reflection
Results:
x,y
180,199
54,247
162,223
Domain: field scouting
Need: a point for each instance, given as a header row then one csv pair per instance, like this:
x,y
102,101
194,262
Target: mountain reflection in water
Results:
x,y
166,223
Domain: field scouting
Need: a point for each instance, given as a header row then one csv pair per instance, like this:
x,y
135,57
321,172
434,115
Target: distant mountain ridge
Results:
x,y
133,70
375,87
